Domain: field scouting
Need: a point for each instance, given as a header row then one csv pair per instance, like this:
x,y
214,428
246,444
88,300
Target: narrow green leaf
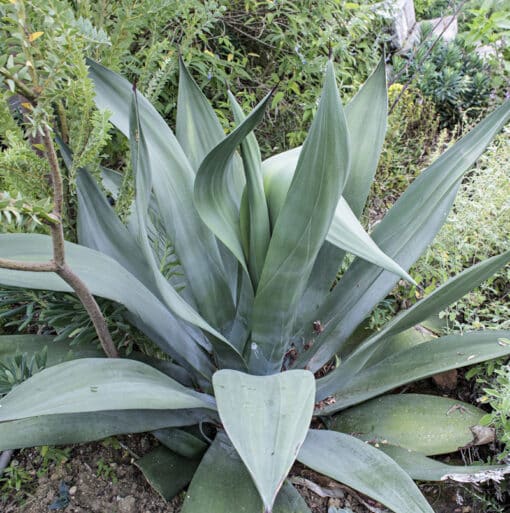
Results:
x,y
106,278
56,352
167,472
172,178
86,427
258,225
213,201
364,468
347,233
98,384
422,468
100,228
223,485
441,298
265,423
403,234
424,423
366,119
300,230
418,362
198,129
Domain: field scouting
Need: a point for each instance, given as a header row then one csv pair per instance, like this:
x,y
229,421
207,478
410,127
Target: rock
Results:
x,y
127,504
73,490
446,381
404,20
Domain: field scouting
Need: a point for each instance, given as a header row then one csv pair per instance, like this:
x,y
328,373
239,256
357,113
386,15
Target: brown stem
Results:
x,y
17,265
22,88
63,122
92,308
62,269
58,263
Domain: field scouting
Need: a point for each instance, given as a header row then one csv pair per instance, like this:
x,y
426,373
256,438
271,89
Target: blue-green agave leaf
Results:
x,y
213,200
257,230
403,234
418,362
223,485
172,179
265,423
98,384
300,230
364,468
106,278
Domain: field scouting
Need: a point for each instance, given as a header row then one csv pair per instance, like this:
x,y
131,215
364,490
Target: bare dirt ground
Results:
x,y
102,478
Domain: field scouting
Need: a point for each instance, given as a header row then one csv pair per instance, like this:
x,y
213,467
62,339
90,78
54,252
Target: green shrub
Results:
x,y
477,228
250,316
451,74
428,9
412,140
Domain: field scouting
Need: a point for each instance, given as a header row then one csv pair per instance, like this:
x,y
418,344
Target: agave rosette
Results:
x,y
253,315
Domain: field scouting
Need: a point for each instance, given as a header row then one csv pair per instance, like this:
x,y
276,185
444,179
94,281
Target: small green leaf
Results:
x,y
167,472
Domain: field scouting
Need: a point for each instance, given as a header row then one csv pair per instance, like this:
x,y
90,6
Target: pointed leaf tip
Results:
x,y
265,423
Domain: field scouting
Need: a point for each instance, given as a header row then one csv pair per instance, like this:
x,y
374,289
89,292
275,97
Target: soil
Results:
x,y
102,478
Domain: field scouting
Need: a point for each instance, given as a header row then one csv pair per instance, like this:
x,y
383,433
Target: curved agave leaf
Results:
x,y
222,485
100,228
367,119
423,423
198,129
300,230
264,422
403,234
421,361
366,116
345,233
227,354
257,231
98,384
364,468
172,178
421,468
106,278
438,300
74,428
212,199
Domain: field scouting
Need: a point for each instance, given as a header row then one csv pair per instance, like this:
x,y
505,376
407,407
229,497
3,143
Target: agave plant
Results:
x,y
260,344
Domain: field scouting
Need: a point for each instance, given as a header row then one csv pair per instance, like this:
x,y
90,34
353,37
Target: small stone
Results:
x,y
72,490
127,504
446,381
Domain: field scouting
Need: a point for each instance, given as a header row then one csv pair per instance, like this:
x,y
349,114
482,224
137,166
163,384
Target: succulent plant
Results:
x,y
261,334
